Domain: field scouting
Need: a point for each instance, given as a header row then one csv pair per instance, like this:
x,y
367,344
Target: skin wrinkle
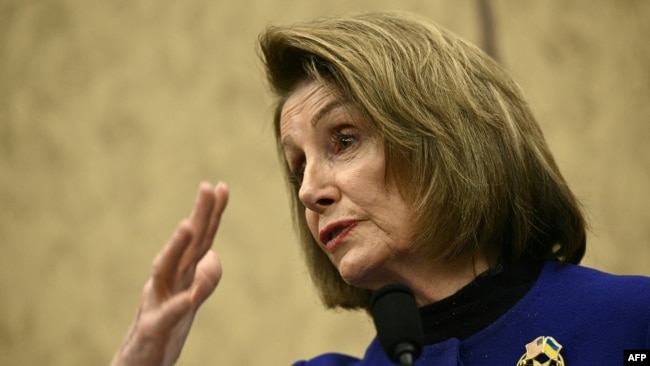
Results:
x,y
349,185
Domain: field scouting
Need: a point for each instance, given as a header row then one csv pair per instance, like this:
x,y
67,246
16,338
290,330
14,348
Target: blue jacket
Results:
x,y
591,316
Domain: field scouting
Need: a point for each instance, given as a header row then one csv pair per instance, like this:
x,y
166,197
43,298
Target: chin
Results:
x,y
352,279
357,274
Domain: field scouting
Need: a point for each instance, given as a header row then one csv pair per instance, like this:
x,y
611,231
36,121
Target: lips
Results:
x,y
334,233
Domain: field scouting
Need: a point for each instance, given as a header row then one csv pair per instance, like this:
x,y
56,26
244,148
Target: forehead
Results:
x,y
304,104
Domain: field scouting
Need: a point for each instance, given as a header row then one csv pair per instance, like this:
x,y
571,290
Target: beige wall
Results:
x,y
112,112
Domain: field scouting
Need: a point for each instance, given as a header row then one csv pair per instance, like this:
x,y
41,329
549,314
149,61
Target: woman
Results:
x,y
413,158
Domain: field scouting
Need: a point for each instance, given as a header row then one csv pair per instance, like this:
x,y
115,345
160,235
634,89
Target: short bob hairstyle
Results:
x,y
461,143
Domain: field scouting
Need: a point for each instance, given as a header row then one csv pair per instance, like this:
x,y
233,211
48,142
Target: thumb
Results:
x,y
207,277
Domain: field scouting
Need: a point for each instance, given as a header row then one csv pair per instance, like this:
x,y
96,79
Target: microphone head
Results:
x,y
398,322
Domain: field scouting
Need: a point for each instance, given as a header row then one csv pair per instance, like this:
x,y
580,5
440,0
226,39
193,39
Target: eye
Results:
x,y
297,174
343,141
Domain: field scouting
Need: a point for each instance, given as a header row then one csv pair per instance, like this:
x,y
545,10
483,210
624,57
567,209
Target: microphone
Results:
x,y
398,323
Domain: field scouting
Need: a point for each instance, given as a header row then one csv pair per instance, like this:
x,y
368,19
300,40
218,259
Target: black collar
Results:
x,y
479,303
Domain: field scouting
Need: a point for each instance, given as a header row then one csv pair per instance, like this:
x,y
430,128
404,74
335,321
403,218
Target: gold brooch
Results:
x,y
543,351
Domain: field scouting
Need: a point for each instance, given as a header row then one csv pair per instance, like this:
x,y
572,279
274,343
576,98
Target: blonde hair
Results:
x,y
460,141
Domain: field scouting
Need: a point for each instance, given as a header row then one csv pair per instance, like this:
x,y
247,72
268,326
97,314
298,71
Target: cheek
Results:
x,y
312,222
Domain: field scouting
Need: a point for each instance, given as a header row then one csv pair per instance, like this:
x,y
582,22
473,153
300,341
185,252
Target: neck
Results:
x,y
432,283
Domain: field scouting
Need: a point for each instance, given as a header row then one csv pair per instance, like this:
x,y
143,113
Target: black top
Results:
x,y
479,303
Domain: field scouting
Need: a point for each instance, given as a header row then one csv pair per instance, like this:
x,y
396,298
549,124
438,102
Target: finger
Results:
x,y
199,220
165,265
221,194
171,312
177,306
204,203
208,275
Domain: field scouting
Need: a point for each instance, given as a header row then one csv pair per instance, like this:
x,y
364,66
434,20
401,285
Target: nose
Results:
x,y
318,190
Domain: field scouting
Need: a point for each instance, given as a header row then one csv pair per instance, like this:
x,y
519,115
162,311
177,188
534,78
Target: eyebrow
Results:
x,y
323,112
316,118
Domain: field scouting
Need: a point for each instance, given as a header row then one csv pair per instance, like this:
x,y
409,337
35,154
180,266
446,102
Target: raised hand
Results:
x,y
184,274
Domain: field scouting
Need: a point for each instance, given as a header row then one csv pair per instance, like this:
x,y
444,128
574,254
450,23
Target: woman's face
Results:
x,y
362,224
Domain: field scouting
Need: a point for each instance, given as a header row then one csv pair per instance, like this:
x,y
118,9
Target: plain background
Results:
x,y
112,112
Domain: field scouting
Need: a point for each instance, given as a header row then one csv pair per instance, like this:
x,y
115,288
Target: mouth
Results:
x,y
336,231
